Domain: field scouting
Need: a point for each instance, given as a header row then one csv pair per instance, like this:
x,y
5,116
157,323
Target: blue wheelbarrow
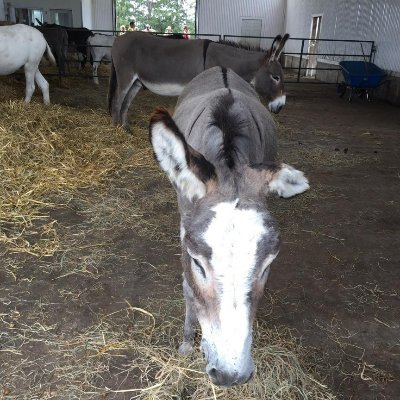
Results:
x,y
361,77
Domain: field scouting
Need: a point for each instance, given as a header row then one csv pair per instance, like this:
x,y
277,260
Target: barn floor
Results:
x,y
334,286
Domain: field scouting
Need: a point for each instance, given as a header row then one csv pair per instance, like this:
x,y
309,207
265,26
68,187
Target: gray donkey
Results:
x,y
219,151
165,66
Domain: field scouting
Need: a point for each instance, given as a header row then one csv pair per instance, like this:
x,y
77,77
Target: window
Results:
x,y
61,17
251,27
28,16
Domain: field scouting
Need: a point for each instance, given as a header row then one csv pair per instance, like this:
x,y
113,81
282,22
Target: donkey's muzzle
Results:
x,y
277,105
226,379
221,378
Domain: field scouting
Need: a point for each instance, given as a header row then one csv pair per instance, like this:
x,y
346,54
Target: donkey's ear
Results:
x,y
286,181
274,47
191,174
281,46
282,179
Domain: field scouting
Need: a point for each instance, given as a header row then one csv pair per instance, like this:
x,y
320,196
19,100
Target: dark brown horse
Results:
x,y
139,59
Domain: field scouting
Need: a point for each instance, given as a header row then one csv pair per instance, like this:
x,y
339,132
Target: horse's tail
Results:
x,y
50,54
112,85
89,50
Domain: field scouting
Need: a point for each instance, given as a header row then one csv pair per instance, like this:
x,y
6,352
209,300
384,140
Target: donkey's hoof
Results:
x,y
185,348
127,128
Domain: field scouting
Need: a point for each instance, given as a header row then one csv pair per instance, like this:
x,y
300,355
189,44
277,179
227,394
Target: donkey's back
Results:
x,y
235,119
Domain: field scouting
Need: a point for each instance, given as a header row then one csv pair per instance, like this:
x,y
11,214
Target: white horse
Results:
x,y
24,46
100,47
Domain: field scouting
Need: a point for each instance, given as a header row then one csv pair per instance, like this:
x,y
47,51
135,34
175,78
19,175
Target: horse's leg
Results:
x,y
95,77
190,321
132,92
30,81
43,85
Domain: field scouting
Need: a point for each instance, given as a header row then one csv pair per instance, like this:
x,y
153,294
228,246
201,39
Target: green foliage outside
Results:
x,y
157,13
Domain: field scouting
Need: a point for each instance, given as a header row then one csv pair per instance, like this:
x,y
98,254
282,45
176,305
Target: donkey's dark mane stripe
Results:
x,y
225,76
231,126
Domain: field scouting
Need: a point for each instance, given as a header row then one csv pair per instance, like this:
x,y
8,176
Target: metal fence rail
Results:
x,y
332,51
321,56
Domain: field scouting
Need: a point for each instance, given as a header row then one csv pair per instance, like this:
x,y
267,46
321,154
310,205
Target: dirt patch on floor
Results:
x,y
333,289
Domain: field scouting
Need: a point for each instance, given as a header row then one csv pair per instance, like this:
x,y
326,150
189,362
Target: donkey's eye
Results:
x,y
276,78
199,267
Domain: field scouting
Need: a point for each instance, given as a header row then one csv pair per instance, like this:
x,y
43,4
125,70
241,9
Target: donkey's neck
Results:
x,y
244,62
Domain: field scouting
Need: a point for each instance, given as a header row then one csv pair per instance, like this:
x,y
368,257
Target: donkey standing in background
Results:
x,y
139,59
220,153
99,48
24,46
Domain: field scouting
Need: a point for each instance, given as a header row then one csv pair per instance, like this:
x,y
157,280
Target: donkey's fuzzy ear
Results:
x,y
282,179
281,46
188,170
274,47
287,181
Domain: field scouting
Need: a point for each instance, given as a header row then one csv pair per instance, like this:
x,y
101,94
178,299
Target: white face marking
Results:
x,y
233,236
164,89
277,104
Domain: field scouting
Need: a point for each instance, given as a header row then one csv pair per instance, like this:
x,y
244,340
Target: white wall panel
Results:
x,y
2,11
377,20
224,17
103,15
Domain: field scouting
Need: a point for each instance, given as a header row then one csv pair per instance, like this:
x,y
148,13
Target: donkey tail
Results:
x,y
112,85
50,54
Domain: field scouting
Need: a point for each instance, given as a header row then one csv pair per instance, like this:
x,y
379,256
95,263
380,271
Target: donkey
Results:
x,y
99,48
24,46
139,59
219,151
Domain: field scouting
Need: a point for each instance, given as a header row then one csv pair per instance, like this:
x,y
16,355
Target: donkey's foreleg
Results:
x,y
189,328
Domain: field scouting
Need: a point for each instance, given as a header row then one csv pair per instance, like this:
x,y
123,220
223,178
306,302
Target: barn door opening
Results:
x,y
251,27
313,45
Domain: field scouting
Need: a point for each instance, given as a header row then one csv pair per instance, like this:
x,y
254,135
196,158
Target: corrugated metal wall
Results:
x,y
377,20
102,14
224,17
98,14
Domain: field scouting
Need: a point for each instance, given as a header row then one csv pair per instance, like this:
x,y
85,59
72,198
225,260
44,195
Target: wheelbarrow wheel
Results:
x,y
341,89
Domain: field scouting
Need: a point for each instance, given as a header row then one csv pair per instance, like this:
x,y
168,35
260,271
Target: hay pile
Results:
x,y
48,153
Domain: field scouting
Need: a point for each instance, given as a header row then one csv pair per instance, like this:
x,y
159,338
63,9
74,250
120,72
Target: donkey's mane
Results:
x,y
231,128
242,46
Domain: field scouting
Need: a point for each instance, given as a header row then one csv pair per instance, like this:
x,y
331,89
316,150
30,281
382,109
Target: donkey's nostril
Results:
x,y
213,373
279,108
250,376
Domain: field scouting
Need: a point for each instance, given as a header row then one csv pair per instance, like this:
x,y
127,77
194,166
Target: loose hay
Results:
x,y
52,151
133,351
